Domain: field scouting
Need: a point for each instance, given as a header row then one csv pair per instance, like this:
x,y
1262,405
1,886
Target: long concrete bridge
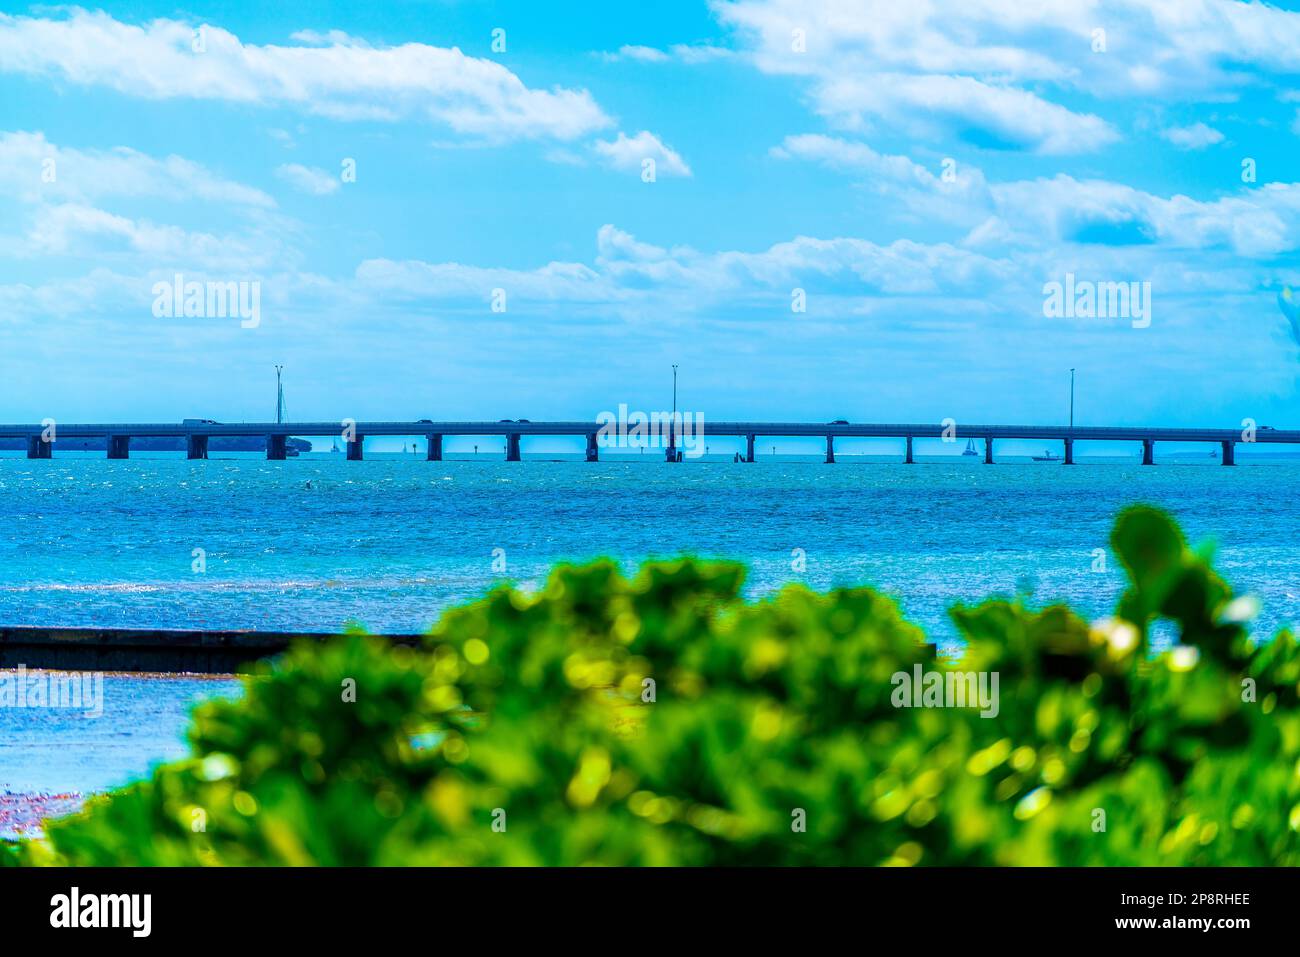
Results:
x,y
197,433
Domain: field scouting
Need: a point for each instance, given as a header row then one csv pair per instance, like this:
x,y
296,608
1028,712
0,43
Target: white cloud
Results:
x,y
72,229
861,159
699,52
1261,221
34,169
956,195
985,115
894,311
1195,137
628,153
1151,45
308,179
568,282
855,157
690,53
627,270
334,75
998,72
636,52
60,221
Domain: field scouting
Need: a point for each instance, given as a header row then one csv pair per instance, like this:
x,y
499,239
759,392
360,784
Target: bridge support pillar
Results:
x,y
988,450
357,448
830,450
593,449
1148,452
1069,451
275,446
512,447
196,446
434,454
749,447
38,448
1229,453
119,446
907,459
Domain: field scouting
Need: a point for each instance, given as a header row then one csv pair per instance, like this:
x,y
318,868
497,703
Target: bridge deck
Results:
x,y
853,429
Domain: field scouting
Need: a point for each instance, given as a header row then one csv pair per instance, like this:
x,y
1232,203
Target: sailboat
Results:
x,y
335,446
289,449
970,448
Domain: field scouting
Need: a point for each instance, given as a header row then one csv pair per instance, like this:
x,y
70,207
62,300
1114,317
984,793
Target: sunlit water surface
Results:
x,y
311,543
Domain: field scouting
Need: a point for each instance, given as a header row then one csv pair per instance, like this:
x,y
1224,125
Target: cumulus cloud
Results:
x,y
332,74
897,306
900,88
1259,221
861,160
1263,222
920,69
308,179
1195,137
985,115
77,206
415,279
629,152
955,194
690,53
626,269
34,169
636,52
1001,73
73,229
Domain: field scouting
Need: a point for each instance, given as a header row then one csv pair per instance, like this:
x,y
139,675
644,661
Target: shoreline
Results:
x,y
23,812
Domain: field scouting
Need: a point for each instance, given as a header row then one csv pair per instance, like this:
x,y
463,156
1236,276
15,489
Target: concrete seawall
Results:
x,y
131,649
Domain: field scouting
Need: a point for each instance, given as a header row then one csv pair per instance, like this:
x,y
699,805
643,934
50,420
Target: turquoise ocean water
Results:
x,y
313,542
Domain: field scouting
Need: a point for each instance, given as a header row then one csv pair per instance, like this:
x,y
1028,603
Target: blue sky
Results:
x,y
797,145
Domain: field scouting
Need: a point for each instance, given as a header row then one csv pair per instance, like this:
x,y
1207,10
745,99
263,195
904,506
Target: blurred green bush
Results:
x,y
664,720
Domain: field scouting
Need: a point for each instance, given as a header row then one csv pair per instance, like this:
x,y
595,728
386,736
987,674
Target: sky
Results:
x,y
819,209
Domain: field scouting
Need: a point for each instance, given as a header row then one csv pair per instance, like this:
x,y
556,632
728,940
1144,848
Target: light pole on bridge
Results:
x,y
279,396
672,426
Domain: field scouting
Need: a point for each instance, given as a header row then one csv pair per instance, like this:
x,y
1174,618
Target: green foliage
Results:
x,y
665,720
